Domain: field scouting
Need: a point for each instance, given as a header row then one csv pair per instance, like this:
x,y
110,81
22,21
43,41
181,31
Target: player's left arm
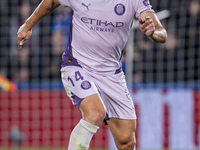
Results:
x,y
152,27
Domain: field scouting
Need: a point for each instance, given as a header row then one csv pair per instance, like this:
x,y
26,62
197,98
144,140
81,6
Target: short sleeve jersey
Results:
x,y
99,32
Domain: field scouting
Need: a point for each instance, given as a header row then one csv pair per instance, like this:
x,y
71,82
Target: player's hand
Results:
x,y
147,26
23,34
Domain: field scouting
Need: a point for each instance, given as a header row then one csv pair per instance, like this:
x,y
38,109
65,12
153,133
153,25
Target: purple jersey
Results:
x,y
99,32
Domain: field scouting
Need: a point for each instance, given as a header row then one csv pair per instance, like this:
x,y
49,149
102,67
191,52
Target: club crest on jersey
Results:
x,y
119,9
85,85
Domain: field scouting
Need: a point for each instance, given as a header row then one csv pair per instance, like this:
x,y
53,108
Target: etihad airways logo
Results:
x,y
101,25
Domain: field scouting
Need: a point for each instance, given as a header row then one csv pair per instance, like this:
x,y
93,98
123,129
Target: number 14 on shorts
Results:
x,y
78,76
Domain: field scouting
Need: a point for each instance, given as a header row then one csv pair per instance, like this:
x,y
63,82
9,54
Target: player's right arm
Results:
x,y
43,9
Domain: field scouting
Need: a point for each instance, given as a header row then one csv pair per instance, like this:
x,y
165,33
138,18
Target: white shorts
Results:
x,y
79,83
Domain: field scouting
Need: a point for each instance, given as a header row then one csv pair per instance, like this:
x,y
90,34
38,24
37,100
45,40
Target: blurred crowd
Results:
x,y
178,60
40,57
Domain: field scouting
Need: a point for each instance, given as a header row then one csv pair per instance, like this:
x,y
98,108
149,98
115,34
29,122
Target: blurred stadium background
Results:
x,y
36,113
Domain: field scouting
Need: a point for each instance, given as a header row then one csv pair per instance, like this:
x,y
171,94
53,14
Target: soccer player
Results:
x,y
91,69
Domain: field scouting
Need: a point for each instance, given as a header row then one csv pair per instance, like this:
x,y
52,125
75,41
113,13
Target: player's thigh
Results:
x,y
122,130
81,89
93,109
